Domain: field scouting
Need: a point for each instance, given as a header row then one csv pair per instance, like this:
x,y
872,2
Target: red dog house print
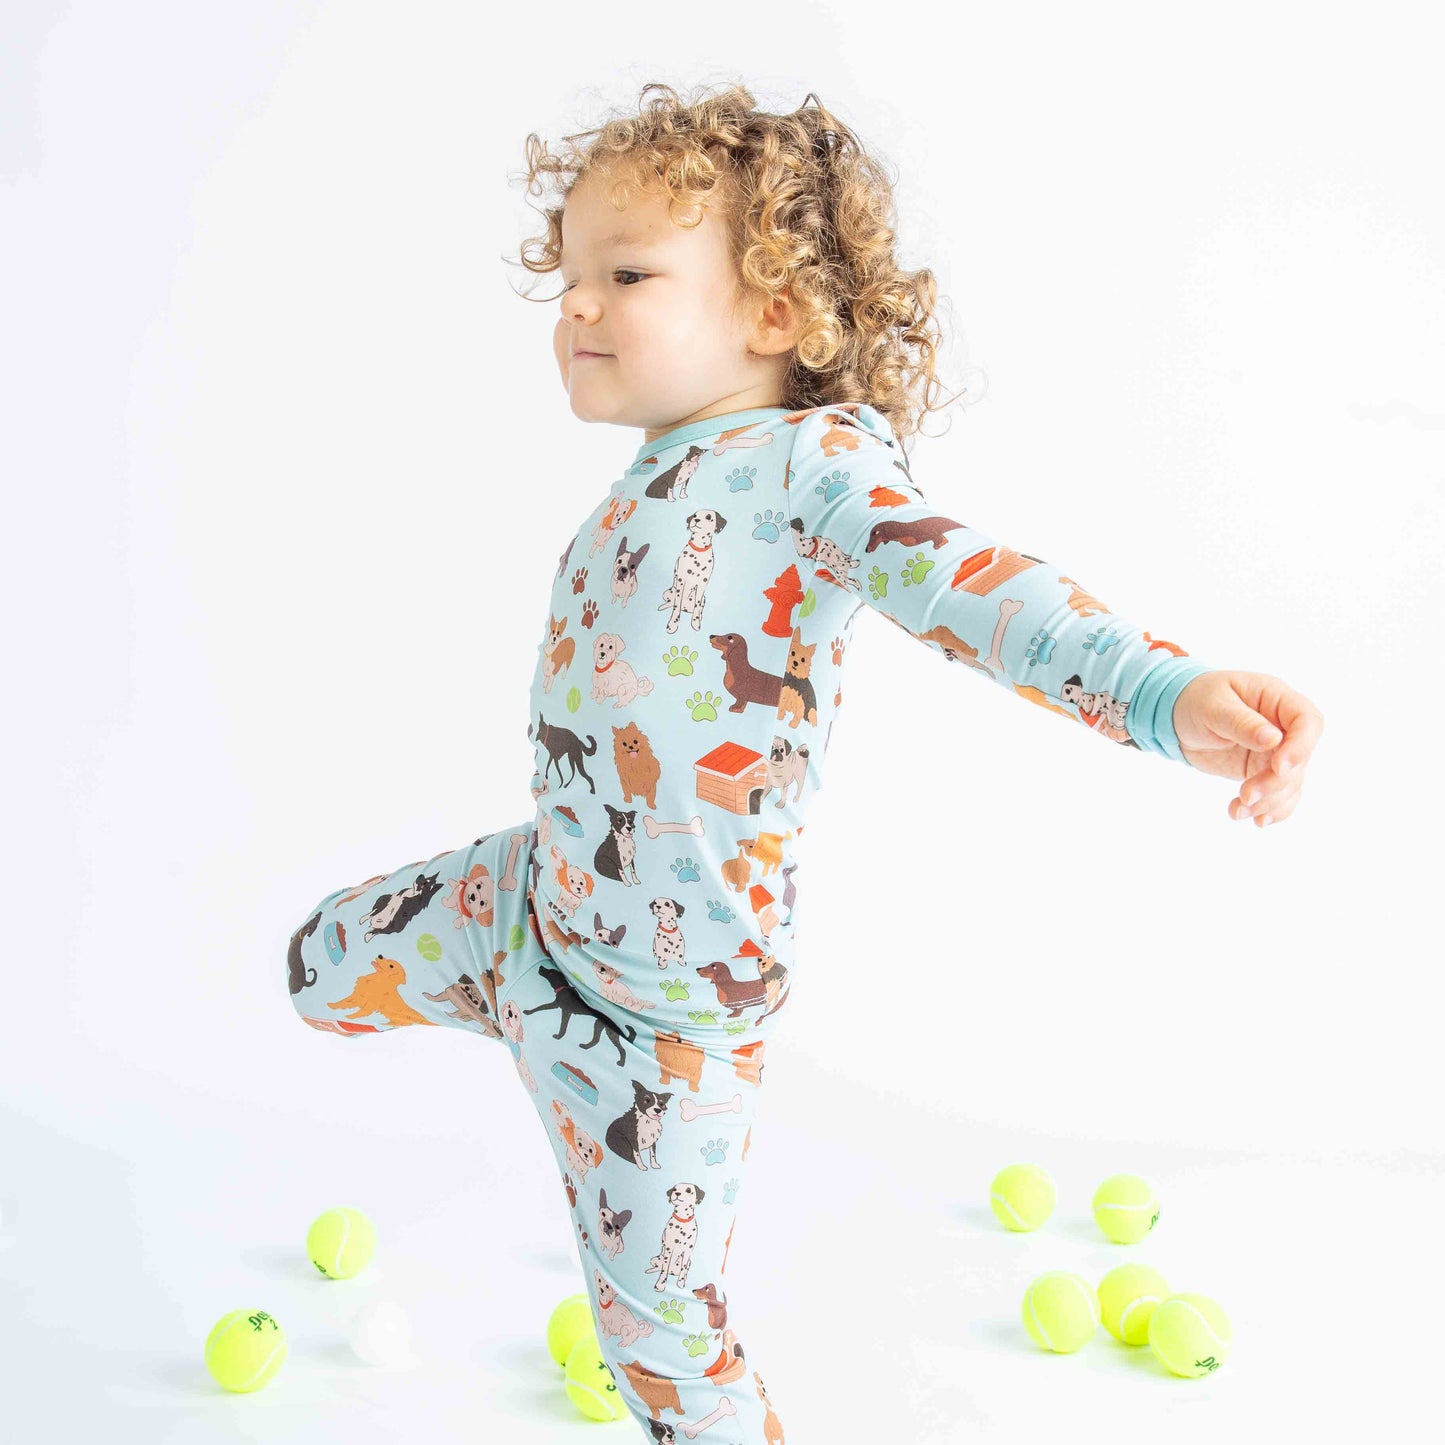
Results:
x,y
733,777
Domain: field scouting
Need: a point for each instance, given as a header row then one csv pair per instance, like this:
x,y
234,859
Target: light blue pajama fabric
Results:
x,y
632,941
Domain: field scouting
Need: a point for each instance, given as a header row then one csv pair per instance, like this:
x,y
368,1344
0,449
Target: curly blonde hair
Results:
x,y
807,211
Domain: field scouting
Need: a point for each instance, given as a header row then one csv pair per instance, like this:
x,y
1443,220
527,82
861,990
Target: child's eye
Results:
x,y
641,276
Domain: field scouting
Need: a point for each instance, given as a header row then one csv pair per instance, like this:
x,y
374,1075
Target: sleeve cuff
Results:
x,y
1150,718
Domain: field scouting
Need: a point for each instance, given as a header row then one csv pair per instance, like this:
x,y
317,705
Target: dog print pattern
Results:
x,y
631,943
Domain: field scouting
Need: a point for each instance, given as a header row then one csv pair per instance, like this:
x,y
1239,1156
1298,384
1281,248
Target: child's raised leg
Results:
x,y
427,944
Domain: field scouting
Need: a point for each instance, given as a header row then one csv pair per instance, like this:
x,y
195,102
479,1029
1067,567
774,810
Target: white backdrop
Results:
x,y
286,468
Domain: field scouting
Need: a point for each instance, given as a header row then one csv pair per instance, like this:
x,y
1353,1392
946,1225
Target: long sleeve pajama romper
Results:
x,y
631,942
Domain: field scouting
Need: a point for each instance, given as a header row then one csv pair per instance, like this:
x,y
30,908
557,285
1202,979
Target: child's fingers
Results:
x,y
1302,726
1266,795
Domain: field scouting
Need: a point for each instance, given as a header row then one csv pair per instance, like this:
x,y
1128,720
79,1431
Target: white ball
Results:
x,y
381,1334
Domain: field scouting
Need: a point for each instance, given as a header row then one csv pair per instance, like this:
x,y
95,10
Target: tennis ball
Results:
x,y
1128,1297
590,1385
1126,1208
1022,1196
1190,1334
1061,1311
568,1323
340,1242
244,1350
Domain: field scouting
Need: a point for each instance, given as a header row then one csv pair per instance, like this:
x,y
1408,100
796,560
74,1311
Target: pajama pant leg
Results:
x,y
430,944
649,1116
650,1129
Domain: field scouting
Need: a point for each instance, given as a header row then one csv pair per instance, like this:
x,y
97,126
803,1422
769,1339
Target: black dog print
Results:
x,y
393,911
566,998
635,1133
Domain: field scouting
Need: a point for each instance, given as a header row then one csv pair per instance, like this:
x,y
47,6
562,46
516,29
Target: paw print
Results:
x,y
730,1190
735,1026
1041,648
833,482
878,583
589,612
715,1151
741,479
669,1311
697,1344
679,661
1100,641
916,569
837,645
769,525
675,990
704,706
685,869
579,581
716,908
703,1015
574,698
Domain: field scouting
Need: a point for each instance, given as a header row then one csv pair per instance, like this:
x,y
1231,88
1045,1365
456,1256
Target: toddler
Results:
x,y
728,285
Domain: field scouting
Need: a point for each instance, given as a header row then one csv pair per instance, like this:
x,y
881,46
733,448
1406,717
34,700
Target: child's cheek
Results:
x,y
562,349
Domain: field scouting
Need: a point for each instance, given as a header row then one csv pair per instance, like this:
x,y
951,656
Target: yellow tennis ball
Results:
x,y
244,1350
1190,1334
340,1242
568,1323
1022,1196
590,1385
1128,1297
1061,1311
1126,1208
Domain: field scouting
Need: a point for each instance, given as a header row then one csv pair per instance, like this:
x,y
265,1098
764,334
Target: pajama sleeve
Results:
x,y
864,526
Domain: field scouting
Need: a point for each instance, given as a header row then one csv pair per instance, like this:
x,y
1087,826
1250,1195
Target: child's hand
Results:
x,y
1249,725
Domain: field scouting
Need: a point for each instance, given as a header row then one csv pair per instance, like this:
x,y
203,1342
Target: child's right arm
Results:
x,y
1012,617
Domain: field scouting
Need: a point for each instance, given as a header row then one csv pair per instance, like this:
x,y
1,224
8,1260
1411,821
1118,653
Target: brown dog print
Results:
x,y
796,700
746,682
377,992
557,651
637,767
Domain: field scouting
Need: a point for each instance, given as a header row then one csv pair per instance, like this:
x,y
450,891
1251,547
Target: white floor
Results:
x,y
871,1287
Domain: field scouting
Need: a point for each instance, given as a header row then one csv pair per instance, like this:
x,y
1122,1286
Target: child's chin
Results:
x,y
586,404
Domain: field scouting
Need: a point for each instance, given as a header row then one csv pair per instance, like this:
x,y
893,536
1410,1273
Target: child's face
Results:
x,y
659,307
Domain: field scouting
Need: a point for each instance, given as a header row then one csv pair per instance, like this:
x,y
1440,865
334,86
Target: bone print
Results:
x,y
689,1109
653,827
725,1411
